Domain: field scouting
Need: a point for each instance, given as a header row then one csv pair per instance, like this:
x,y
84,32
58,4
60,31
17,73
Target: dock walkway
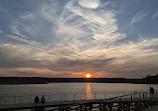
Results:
x,y
129,102
154,108
47,104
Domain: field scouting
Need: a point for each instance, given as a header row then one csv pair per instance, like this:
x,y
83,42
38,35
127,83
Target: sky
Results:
x,y
69,38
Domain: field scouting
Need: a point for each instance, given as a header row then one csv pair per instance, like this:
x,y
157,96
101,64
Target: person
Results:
x,y
42,99
152,91
36,100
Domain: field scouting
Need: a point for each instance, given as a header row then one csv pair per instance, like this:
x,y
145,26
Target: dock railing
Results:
x,y
112,101
129,102
64,96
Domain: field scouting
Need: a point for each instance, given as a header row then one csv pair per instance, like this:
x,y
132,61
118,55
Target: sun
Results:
x,y
88,75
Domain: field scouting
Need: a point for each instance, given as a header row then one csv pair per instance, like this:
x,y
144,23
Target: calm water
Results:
x,y
15,94
72,87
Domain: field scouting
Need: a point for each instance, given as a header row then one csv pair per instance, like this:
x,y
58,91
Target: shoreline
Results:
x,y
39,80
20,83
68,82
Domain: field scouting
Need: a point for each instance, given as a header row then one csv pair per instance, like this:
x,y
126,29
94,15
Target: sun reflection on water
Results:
x,y
88,91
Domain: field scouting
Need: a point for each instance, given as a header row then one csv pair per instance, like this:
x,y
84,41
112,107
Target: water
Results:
x,y
67,91
72,87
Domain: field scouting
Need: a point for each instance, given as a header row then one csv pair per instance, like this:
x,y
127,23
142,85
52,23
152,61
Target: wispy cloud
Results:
x,y
31,42
28,16
99,26
89,3
138,17
1,31
155,15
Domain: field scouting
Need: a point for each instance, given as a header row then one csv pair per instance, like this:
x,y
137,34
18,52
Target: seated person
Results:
x,y
36,100
42,99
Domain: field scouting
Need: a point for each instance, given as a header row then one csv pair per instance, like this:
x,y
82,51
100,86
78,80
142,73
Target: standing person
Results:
x,y
152,92
36,100
42,99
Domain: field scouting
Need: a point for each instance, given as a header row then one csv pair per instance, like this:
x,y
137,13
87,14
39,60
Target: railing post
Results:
x,y
119,105
140,101
140,96
134,95
1,101
19,101
104,94
60,97
146,96
110,105
85,96
95,95
100,107
80,107
65,96
15,99
144,102
74,98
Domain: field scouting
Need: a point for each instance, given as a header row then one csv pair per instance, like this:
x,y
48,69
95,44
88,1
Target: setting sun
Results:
x,y
88,75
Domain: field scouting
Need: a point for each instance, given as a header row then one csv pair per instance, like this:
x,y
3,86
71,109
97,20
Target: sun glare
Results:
x,y
88,75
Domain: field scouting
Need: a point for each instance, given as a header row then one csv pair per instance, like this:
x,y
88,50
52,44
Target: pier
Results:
x,y
135,101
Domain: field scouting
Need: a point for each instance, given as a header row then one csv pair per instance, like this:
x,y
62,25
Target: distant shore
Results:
x,y
20,83
39,80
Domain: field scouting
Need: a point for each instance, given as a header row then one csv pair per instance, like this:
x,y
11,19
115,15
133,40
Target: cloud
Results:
x,y
100,25
80,65
14,29
138,17
35,72
67,39
155,15
92,4
1,31
21,39
126,58
80,30
28,16
13,57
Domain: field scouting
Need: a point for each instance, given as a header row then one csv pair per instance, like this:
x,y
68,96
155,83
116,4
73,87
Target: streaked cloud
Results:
x,y
138,17
1,31
155,15
89,3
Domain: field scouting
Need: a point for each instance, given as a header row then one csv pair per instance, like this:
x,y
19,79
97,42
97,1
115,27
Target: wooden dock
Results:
x,y
129,102
10,107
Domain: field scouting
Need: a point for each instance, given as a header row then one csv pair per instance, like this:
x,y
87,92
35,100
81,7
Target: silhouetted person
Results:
x,y
152,91
42,99
36,100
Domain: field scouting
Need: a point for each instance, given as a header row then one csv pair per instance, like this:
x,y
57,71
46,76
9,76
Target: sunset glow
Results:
x,y
88,75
